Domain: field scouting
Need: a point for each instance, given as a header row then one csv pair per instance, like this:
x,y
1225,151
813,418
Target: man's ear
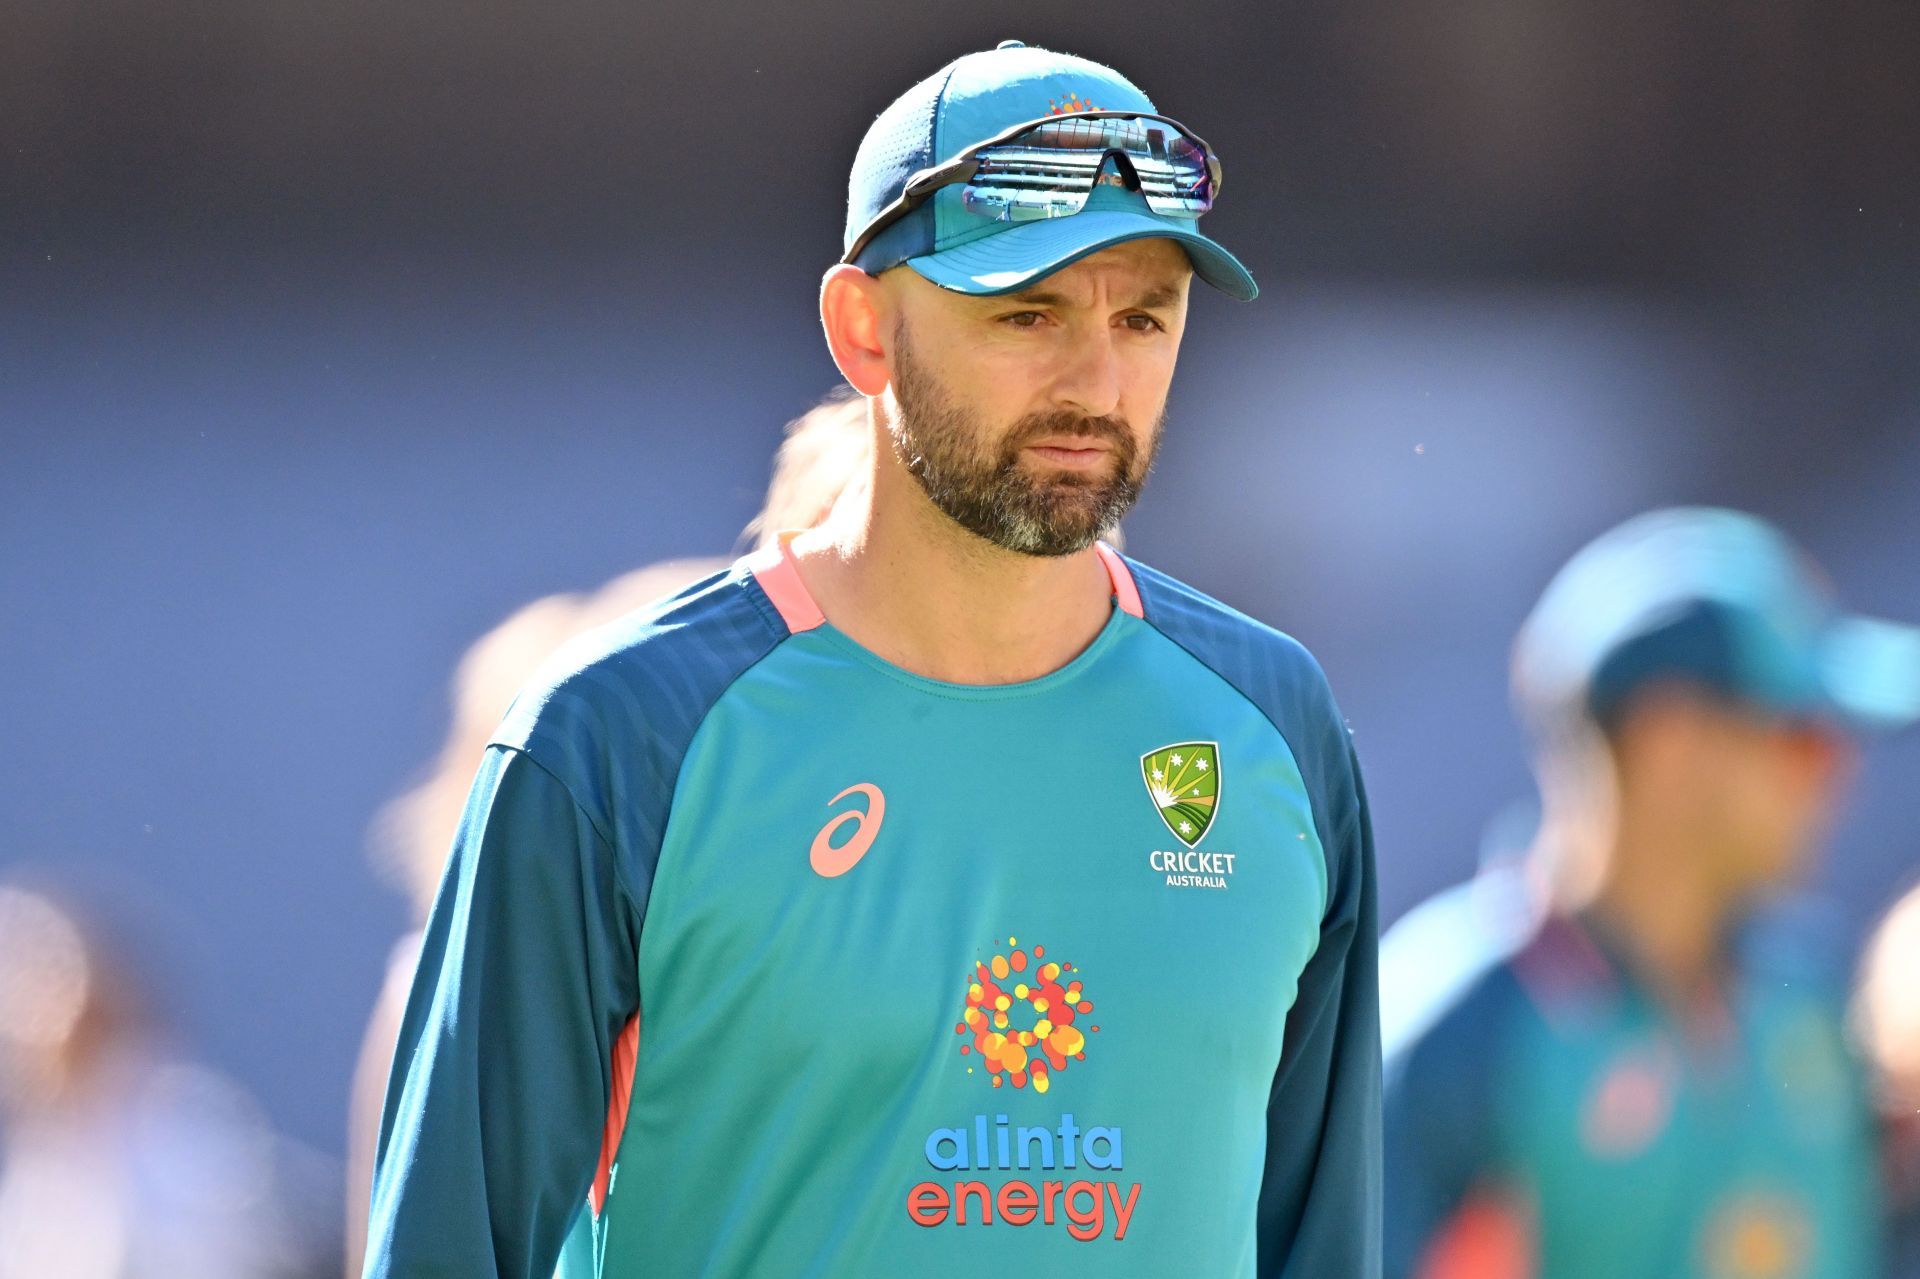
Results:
x,y
853,307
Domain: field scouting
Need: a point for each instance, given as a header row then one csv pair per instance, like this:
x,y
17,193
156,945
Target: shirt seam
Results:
x,y
779,633
686,753
606,841
769,613
1314,805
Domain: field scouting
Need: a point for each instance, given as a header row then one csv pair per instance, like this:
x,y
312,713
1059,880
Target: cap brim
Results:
x,y
1871,670
1014,258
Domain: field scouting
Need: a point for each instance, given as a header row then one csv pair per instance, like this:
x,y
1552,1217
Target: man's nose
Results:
x,y
1090,377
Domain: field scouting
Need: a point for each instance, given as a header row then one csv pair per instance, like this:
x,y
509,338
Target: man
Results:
x,y
1619,1083
937,892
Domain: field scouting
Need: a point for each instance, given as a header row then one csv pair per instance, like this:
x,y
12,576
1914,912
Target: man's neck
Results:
x,y
1672,915
903,580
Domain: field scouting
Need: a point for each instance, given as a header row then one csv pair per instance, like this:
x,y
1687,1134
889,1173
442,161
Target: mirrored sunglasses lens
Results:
x,y
1049,171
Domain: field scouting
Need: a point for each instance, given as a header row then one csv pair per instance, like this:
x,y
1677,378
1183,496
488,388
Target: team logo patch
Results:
x,y
1183,781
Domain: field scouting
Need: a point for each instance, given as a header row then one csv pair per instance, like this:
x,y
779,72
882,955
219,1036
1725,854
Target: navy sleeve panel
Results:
x,y
1320,1200
613,713
528,971
490,1130
1442,1125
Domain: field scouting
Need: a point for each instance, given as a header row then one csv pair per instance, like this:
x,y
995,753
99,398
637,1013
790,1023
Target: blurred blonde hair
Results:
x,y
826,452
1886,1008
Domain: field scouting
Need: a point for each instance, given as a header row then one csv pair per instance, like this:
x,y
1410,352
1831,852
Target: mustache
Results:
x,y
1041,426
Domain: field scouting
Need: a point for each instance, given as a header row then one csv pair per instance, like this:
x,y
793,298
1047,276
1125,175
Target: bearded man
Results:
x,y
749,937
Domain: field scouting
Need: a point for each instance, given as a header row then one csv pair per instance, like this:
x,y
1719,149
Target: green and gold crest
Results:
x,y
1183,781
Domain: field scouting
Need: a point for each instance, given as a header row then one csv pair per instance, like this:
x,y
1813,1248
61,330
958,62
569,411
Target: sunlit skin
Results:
x,y
1714,805
1889,1012
1095,340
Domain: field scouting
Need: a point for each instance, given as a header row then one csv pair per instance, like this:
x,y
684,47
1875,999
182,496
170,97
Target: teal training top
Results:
x,y
791,962
1547,1115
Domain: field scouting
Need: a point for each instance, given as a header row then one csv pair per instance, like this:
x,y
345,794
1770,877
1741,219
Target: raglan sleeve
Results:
x,y
1320,1198
492,1124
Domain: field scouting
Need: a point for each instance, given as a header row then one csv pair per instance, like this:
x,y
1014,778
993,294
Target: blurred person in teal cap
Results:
x,y
1600,1071
993,901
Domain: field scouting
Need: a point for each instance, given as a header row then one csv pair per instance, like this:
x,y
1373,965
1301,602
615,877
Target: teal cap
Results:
x,y
1715,598
975,98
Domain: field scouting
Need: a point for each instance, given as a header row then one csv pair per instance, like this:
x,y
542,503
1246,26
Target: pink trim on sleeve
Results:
x,y
1125,593
626,1053
774,569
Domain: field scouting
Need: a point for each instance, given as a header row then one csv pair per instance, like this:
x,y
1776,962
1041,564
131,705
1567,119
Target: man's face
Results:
x,y
1032,419
1760,791
1781,783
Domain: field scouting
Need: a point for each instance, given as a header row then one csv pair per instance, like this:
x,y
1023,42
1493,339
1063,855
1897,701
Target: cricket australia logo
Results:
x,y
1183,781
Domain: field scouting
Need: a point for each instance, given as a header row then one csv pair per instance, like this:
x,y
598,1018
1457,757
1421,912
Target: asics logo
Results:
x,y
830,861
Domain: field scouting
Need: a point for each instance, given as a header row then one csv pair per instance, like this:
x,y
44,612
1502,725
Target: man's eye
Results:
x,y
1143,323
1022,319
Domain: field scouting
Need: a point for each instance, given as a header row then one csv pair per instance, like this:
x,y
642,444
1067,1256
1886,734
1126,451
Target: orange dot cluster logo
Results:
x,y
1023,1014
1072,102
1759,1235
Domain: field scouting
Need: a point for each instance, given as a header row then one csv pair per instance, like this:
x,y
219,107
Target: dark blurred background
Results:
x,y
330,334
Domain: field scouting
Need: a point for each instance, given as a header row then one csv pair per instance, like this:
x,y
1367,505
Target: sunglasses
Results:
x,y
1047,168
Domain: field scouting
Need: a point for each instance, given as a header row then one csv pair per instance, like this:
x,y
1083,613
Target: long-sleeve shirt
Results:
x,y
1546,1114
788,961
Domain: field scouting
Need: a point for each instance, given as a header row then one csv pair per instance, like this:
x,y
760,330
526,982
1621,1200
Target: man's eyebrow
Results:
x,y
1039,297
1158,297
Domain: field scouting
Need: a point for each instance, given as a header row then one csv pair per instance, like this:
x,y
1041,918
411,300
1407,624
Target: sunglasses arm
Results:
x,y
918,190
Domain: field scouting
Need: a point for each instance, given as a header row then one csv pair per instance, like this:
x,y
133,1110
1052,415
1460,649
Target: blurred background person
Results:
x,y
120,1156
1446,940
826,452
1887,1014
1612,1081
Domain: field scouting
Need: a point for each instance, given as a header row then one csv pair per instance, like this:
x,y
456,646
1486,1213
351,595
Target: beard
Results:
x,y
982,485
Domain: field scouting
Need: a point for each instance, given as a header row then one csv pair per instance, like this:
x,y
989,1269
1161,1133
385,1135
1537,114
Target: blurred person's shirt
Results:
x,y
1546,1115
157,1168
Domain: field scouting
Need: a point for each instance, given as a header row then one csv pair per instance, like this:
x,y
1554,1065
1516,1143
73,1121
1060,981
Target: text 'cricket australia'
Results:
x,y
1190,868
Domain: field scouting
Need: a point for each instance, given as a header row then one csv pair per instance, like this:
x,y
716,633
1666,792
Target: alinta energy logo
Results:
x,y
1022,1021
1183,781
